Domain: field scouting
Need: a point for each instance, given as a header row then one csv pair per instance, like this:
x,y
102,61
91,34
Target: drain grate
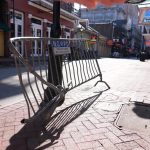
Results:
x,y
134,117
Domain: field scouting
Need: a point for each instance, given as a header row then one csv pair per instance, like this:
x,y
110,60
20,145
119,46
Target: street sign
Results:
x,y
61,47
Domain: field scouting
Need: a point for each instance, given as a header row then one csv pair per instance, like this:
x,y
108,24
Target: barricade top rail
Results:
x,y
46,38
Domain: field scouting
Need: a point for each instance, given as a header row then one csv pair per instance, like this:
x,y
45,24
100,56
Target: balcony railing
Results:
x,y
69,7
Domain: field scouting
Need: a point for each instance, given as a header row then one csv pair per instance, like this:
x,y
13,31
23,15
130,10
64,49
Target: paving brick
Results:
x,y
102,125
109,116
93,127
93,120
64,135
1,133
128,132
89,125
60,148
83,130
78,137
99,148
111,120
108,145
5,144
10,119
145,137
103,120
9,128
2,125
127,145
70,144
97,115
129,137
8,134
138,148
71,129
87,115
89,145
143,144
94,137
115,130
99,130
113,138
79,119
77,123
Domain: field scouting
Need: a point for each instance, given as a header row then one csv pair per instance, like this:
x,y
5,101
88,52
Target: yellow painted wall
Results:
x,y
1,43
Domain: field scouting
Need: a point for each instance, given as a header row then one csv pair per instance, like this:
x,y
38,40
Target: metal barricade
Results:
x,y
49,68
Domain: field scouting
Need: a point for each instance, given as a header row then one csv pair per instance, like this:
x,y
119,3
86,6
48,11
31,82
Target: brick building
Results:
x,y
32,18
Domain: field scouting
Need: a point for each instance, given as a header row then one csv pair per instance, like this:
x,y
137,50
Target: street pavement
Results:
x,y
86,119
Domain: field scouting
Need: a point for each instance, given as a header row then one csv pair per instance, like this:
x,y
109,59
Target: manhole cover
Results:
x,y
135,117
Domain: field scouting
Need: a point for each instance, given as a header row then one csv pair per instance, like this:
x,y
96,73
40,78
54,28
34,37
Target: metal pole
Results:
x,y
55,29
55,33
14,16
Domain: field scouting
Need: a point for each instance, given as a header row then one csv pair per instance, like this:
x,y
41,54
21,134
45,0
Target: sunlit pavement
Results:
x,y
88,124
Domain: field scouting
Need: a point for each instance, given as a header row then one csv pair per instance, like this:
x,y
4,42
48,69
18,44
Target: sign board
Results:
x,y
147,43
61,47
144,15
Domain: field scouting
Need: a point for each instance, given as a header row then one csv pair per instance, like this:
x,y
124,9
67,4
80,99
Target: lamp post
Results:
x,y
55,28
55,62
13,1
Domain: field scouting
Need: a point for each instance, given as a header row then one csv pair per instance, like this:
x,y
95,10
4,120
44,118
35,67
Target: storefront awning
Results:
x,y
4,27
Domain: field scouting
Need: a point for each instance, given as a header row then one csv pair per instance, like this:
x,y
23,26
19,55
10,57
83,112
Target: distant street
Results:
x,y
127,77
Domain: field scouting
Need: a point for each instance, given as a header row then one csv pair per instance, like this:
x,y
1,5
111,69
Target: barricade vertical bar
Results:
x,y
68,69
72,52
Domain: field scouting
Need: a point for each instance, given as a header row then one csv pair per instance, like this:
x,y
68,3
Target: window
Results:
x,y
36,21
19,28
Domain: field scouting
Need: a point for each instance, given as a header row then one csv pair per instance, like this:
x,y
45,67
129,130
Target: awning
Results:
x,y
4,27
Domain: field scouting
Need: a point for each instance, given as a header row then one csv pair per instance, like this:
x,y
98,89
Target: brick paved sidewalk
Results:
x,y
80,123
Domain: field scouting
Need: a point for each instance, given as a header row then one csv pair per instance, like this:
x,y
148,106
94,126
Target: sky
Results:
x,y
145,4
77,6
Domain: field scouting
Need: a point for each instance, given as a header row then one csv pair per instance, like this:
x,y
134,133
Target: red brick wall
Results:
x,y
22,6
26,9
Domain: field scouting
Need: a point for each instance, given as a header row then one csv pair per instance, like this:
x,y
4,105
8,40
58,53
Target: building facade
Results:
x,y
144,23
33,18
118,23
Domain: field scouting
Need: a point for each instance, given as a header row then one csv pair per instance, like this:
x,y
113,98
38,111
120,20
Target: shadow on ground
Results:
x,y
9,82
142,110
41,134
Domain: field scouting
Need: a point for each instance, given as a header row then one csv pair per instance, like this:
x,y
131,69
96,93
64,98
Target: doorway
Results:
x,y
1,43
37,45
